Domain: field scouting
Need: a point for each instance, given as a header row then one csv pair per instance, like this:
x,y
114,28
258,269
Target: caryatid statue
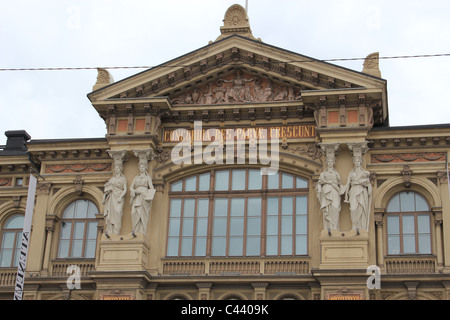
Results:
x,y
358,190
329,189
114,194
142,192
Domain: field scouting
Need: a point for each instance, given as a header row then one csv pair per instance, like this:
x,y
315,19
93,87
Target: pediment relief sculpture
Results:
x,y
239,87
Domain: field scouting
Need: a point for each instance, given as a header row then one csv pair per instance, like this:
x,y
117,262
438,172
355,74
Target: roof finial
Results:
x,y
236,22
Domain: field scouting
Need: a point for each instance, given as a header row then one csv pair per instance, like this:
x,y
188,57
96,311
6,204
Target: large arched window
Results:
x,y
226,213
408,224
11,241
78,230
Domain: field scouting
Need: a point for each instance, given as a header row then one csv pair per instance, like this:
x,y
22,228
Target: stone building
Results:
x,y
237,171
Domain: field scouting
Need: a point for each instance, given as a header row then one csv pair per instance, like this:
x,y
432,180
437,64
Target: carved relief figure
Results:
x,y
238,88
329,191
113,199
358,193
142,193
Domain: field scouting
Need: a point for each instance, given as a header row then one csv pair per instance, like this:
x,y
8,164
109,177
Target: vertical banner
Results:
x,y
20,279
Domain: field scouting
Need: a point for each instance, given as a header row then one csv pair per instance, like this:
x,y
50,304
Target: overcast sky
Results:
x,y
104,33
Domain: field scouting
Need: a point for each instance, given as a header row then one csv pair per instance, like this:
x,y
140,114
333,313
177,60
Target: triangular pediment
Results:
x,y
237,70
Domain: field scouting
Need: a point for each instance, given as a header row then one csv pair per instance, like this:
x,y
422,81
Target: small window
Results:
x,y
78,231
10,241
408,224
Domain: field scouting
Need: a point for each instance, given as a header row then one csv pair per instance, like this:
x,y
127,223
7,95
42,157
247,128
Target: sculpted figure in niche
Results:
x,y
358,193
142,193
329,191
113,199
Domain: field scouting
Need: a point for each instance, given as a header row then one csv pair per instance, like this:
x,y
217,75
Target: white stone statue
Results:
x,y
329,191
358,193
113,199
142,193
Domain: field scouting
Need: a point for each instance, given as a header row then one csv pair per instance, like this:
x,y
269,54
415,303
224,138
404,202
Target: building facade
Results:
x,y
237,171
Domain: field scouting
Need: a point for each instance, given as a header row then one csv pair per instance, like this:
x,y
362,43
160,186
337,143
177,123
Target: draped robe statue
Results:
x,y
113,200
358,193
329,194
142,193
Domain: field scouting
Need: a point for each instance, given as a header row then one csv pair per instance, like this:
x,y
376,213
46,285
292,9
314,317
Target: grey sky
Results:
x,y
59,33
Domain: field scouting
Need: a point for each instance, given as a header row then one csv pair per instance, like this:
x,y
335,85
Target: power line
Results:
x,y
225,64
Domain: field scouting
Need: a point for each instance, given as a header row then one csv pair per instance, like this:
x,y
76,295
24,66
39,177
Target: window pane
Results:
x,y
172,246
236,226
8,240
286,205
177,186
301,183
92,230
63,250
66,228
200,247
407,201
273,181
202,227
89,251
408,224
15,222
6,257
186,246
220,227
301,205
286,245
287,181
394,204
220,207
189,207
272,245
253,246
393,244
272,206
423,223
253,226
81,209
203,207
175,208
236,246
68,214
219,246
301,244
424,244
203,183
409,244
421,204
92,210
272,225
286,225
221,180
301,225
78,232
238,180
174,227
188,227
254,180
77,247
190,184
393,225
254,207
237,207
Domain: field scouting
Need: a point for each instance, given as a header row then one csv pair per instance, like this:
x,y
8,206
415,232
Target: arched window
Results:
x,y
408,224
78,231
11,241
226,213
